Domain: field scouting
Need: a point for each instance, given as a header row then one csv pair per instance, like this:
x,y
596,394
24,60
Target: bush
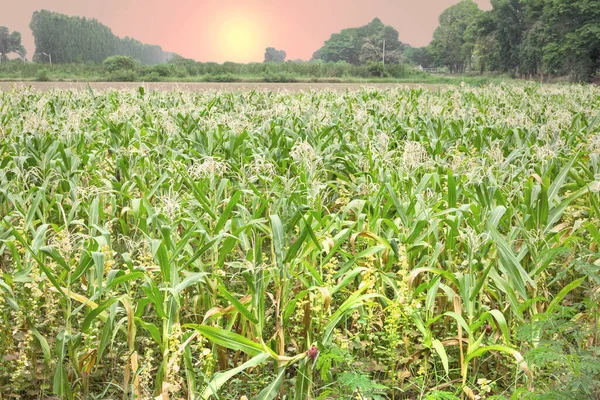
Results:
x,y
221,78
279,78
116,63
151,77
376,69
163,70
123,76
42,76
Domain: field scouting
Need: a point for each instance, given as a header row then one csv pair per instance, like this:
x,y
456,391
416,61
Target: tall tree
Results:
x,y
454,40
508,18
568,32
10,43
419,56
362,45
274,55
74,39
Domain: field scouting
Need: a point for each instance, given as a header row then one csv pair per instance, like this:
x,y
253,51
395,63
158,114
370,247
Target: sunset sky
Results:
x,y
237,30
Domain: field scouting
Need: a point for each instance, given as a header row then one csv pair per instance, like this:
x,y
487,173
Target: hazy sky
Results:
x,y
237,30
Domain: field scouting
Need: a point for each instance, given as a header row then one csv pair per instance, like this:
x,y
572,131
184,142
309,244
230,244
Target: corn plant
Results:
x,y
397,243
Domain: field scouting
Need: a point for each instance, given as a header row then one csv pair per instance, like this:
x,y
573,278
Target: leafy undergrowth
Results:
x,y
381,244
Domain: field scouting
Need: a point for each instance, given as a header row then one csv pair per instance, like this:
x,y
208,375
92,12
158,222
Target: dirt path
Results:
x,y
202,86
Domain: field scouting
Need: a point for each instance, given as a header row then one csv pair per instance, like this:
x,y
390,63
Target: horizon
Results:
x,y
240,31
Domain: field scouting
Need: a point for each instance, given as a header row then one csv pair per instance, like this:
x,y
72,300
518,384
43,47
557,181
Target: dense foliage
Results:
x,y
377,244
524,37
362,45
180,69
274,55
452,44
10,43
80,40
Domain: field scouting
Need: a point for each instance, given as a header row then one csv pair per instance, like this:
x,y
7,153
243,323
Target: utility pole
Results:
x,y
383,51
1,58
49,57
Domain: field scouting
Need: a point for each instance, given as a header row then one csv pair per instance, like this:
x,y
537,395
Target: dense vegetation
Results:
x,y
520,38
80,40
274,55
368,244
362,45
523,37
180,69
10,43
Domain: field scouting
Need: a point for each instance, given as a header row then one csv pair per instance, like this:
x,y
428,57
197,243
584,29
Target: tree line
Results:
x,y
10,43
521,37
66,39
363,45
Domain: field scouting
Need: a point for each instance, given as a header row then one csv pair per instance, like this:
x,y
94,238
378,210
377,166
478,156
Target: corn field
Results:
x,y
367,244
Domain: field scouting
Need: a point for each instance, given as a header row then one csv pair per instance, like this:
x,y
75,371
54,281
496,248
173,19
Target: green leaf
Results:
x,y
238,306
96,312
227,211
107,331
55,255
509,261
125,278
278,238
303,380
163,262
354,301
43,344
41,264
151,329
564,291
191,279
221,378
559,180
271,391
228,339
499,317
439,348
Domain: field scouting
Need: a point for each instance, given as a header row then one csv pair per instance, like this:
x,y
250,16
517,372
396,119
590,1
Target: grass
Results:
x,y
385,244
230,72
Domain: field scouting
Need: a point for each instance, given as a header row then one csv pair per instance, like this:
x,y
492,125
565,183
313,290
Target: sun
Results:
x,y
240,37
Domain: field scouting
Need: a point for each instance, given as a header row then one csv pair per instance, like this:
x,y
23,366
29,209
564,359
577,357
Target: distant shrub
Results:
x,y
222,78
279,78
376,69
119,63
42,76
163,70
151,77
123,76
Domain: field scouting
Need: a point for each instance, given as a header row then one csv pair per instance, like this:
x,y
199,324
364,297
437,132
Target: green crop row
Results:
x,y
380,244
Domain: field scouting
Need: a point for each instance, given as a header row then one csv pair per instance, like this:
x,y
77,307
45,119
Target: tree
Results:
x,y
509,22
119,63
530,51
274,55
10,43
568,33
82,40
362,45
419,56
454,40
523,37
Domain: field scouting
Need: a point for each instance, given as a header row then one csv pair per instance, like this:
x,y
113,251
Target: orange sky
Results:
x,y
237,30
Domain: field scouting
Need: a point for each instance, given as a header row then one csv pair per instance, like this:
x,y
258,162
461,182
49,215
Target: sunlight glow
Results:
x,y
240,37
